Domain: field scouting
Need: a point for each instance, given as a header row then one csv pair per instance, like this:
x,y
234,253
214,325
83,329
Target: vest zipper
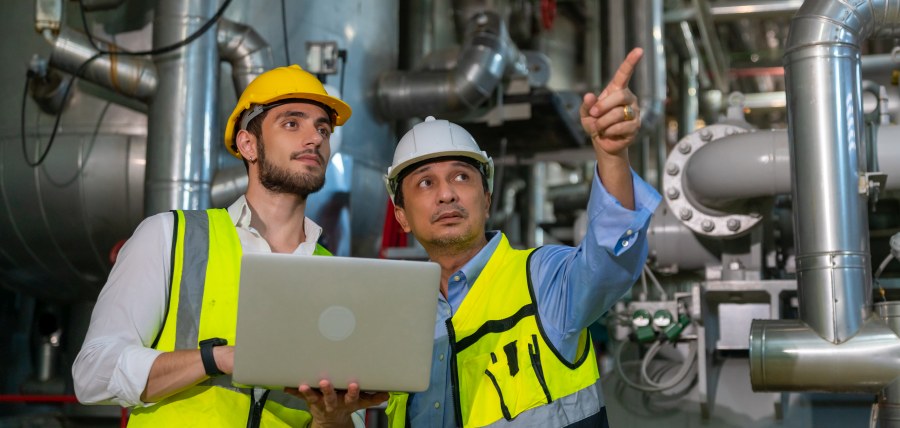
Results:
x,y
256,407
454,374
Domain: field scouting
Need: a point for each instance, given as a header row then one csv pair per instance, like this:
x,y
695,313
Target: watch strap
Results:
x,y
206,355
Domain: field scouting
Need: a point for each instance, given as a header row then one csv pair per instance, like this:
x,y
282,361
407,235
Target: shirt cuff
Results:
x,y
622,226
129,378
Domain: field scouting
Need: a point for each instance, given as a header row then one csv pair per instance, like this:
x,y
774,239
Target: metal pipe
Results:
x,y
757,164
247,52
95,5
181,123
128,75
650,86
823,82
487,55
689,90
729,11
228,184
786,355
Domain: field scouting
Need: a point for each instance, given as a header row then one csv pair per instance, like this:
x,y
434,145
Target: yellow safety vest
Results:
x,y
502,363
203,297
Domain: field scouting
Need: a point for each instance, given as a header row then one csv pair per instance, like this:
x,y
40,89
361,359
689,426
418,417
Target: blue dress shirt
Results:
x,y
573,287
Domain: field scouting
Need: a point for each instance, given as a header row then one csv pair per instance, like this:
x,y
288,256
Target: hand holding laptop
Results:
x,y
329,405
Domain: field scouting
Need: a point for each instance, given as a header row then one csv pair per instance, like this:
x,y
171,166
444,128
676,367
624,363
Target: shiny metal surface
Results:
x,y
486,56
59,222
127,75
786,355
242,47
730,10
738,167
181,119
822,70
675,248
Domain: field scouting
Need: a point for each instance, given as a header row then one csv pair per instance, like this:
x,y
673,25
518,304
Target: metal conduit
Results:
x,y
247,52
128,75
823,80
487,55
181,123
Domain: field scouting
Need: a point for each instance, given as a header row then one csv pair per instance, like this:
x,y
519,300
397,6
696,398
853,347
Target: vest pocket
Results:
x,y
494,386
535,353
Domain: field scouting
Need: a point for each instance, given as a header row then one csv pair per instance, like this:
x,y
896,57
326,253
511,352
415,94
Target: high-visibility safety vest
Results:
x,y
502,363
203,297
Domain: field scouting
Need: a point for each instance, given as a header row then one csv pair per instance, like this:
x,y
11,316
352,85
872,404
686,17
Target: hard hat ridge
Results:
x,y
432,139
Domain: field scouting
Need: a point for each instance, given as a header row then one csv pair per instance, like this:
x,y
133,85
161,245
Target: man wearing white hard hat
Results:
x,y
162,333
511,342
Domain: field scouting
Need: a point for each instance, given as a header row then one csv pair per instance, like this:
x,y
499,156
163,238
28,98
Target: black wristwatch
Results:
x,y
206,354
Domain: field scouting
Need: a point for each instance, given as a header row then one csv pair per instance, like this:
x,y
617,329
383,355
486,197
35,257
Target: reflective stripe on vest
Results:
x,y
206,250
502,363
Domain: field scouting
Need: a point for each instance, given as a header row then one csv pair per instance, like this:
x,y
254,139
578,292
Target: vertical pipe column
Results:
x,y
831,226
181,121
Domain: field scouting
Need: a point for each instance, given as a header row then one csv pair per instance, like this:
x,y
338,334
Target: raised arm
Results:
x,y
612,120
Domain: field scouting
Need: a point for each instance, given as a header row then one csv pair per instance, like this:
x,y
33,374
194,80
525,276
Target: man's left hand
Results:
x,y
332,408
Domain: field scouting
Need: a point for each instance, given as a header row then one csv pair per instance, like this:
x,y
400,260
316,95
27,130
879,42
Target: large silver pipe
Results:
x,y
729,11
128,75
181,122
247,52
487,55
757,164
785,355
823,81
650,84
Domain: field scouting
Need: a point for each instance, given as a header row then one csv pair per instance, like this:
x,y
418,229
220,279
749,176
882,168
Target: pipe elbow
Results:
x,y
247,52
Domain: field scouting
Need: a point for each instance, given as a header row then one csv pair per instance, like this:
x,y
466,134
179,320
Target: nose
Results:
x,y
316,139
446,193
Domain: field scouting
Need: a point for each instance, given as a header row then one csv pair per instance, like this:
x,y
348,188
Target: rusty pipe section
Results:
x,y
247,52
487,55
128,75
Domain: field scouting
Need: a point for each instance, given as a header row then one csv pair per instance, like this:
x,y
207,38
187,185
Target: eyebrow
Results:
x,y
297,113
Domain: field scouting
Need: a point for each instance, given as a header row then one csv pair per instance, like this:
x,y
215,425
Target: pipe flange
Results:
x,y
699,219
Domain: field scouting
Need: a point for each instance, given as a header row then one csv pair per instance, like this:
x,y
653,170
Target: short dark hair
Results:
x,y
398,192
254,127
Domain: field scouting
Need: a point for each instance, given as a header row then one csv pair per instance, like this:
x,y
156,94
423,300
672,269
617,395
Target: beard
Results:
x,y
279,180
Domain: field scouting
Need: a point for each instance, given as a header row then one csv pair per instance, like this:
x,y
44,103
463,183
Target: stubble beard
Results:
x,y
279,180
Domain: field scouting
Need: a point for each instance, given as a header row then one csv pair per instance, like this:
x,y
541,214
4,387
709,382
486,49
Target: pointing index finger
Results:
x,y
623,74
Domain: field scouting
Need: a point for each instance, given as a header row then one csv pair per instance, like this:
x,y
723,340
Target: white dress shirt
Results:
x,y
114,362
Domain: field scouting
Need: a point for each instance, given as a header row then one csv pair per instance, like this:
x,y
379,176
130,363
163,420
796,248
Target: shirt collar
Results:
x,y
240,214
472,269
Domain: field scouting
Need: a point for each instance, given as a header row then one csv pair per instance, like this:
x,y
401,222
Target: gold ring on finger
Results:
x,y
628,112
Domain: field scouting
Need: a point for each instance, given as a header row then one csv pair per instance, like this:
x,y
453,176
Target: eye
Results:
x,y
291,124
463,176
324,131
423,183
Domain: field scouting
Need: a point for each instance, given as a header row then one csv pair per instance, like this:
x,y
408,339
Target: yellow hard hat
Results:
x,y
280,84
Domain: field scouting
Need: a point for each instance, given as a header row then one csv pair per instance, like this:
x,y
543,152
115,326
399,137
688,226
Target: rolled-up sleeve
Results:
x,y
115,359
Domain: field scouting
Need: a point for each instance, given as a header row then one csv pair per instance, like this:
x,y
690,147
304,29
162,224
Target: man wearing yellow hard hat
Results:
x,y
161,333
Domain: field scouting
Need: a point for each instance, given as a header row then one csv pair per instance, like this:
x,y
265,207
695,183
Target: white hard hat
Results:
x,y
433,139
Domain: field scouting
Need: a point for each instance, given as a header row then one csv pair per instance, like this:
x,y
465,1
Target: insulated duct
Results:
x,y
823,81
247,52
181,126
128,75
836,333
487,55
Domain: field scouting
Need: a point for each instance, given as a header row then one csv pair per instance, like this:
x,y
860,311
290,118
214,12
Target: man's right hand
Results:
x,y
332,408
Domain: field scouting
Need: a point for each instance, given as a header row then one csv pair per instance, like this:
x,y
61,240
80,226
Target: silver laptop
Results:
x,y
345,319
